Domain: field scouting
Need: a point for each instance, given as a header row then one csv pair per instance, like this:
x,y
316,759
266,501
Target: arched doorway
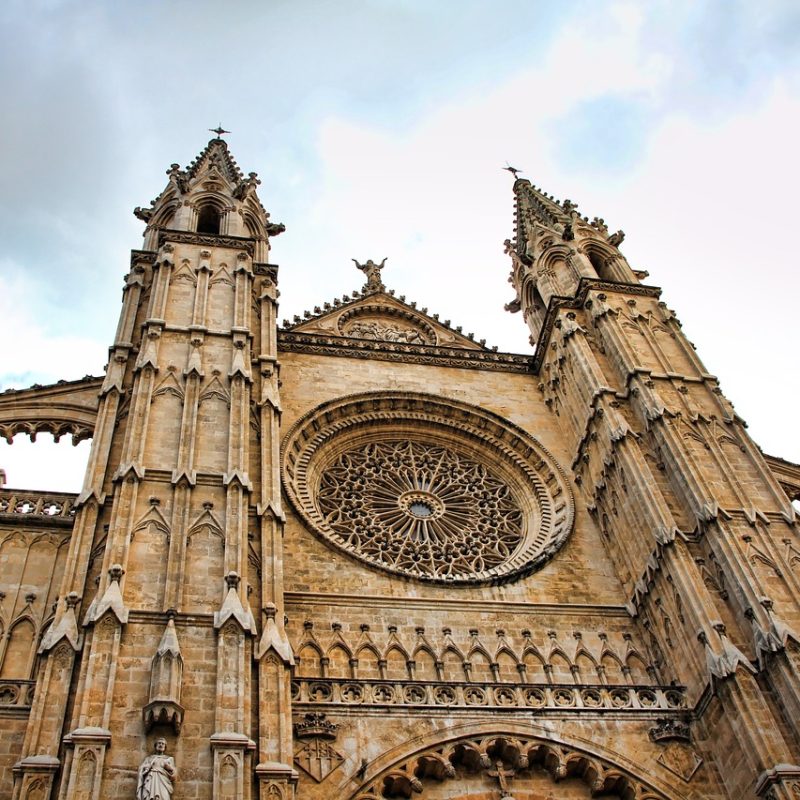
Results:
x,y
506,767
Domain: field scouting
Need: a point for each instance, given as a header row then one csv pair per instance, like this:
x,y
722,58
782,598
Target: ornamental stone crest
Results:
x,y
433,490
315,753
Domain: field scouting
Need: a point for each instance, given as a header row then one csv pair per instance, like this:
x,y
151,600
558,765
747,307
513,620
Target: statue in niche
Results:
x,y
156,774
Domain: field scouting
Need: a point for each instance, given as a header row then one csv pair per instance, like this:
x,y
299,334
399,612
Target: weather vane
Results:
x,y
513,170
219,130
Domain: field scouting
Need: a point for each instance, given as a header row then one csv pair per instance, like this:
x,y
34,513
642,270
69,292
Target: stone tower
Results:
x,y
411,566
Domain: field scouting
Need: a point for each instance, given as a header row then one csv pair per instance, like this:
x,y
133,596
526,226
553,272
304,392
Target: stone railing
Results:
x,y
497,696
19,506
16,693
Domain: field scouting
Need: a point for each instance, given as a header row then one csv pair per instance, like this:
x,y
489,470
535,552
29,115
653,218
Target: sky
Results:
x,y
380,129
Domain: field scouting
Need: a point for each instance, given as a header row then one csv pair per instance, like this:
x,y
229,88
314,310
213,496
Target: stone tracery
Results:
x,y
421,507
429,489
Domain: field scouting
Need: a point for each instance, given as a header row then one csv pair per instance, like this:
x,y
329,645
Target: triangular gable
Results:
x,y
380,316
215,157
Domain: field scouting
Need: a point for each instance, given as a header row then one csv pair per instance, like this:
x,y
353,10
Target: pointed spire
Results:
x,y
232,607
212,196
274,638
66,627
111,600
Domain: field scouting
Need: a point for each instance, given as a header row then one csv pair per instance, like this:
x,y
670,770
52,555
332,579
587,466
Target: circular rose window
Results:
x,y
431,489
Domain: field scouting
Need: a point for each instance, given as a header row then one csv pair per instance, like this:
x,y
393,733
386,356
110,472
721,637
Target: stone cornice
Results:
x,y
559,302
207,240
537,610
431,355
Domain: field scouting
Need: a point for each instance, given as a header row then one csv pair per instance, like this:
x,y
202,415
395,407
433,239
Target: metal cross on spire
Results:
x,y
513,170
219,130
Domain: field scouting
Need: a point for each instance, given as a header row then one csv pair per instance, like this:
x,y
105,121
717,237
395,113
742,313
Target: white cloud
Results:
x,y
706,199
31,352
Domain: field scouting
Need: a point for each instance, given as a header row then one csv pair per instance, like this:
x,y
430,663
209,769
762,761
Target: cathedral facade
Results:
x,y
360,555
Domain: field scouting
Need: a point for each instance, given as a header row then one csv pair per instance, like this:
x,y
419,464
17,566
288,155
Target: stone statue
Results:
x,y
156,775
373,273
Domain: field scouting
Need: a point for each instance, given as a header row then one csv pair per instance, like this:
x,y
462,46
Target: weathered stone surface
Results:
x,y
364,556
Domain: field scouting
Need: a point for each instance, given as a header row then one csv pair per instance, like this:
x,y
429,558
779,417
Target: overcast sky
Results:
x,y
380,129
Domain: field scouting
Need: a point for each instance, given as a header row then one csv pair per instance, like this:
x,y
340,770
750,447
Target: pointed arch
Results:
x,y
535,665
425,663
339,656
20,651
165,212
560,666
541,758
587,666
396,662
369,659
453,665
481,665
637,668
612,668
507,665
309,661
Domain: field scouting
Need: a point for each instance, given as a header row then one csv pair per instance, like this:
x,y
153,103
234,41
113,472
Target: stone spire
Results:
x,y
211,196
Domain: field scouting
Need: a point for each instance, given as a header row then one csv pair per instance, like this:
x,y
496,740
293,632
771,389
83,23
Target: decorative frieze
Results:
x,y
560,698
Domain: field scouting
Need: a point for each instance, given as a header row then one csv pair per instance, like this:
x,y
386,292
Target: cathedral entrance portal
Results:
x,y
506,768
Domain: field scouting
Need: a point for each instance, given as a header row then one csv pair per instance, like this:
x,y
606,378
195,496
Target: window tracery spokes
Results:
x,y
427,487
421,508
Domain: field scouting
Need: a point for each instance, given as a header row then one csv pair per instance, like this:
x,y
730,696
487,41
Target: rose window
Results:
x,y
427,488
420,507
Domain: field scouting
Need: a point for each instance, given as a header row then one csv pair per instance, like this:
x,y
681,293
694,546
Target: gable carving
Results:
x,y
387,324
381,317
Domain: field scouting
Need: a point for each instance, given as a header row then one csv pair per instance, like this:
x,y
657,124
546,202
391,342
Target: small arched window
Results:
x,y
599,265
208,220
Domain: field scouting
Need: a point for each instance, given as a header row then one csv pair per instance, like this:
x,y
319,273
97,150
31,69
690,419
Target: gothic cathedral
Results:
x,y
360,555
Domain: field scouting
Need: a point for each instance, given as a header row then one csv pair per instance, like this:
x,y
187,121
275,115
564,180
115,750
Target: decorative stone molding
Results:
x,y
585,285
315,753
411,470
345,347
16,694
370,322
510,760
670,730
207,240
166,681
561,698
317,725
37,509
